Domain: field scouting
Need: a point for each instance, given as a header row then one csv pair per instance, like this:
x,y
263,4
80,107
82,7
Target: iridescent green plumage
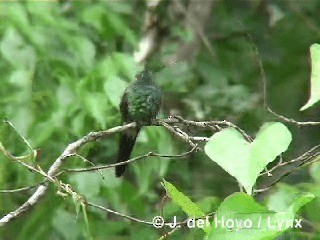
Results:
x,y
140,103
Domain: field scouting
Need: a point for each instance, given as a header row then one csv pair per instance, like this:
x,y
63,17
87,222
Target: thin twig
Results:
x,y
119,214
151,40
23,189
208,124
91,163
311,153
231,36
262,72
290,120
179,135
169,124
304,17
149,154
264,91
168,234
71,149
140,220
305,159
197,26
15,130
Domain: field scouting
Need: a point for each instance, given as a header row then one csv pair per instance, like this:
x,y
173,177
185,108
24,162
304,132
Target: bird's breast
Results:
x,y
144,104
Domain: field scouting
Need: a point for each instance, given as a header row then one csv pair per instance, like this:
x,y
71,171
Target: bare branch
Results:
x,y
118,213
290,120
264,90
137,219
307,158
88,161
179,135
310,154
196,17
233,35
15,130
149,154
70,150
23,189
168,234
208,124
151,40
304,17
169,123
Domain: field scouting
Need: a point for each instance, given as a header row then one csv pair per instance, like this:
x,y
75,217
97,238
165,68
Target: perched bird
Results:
x,y
140,103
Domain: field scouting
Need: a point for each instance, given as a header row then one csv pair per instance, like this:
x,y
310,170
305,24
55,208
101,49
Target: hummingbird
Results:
x,y
140,103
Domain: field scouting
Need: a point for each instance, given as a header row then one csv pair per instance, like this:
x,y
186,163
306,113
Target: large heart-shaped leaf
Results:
x,y
244,160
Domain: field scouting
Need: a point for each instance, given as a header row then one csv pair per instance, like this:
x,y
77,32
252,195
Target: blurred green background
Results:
x,y
64,66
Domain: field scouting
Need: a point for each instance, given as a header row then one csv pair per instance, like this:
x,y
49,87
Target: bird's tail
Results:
x,y
127,141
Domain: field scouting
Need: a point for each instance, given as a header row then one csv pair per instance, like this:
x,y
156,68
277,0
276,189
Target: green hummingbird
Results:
x,y
140,103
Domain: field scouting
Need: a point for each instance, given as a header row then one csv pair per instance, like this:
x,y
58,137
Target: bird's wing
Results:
x,y
124,107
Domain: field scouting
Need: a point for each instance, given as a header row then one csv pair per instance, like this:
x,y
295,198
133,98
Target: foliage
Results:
x,y
315,77
244,160
247,216
189,207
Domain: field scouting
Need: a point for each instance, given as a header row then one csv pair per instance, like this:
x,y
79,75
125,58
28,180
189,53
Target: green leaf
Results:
x,y
86,220
164,145
120,27
186,204
282,198
92,15
96,105
22,79
29,158
241,217
41,131
288,198
121,7
118,63
16,51
63,221
114,88
244,160
300,201
44,10
183,201
64,95
315,169
125,63
315,77
15,12
85,51
209,204
90,183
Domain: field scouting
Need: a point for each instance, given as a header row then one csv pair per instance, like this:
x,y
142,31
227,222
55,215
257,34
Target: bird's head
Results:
x,y
144,76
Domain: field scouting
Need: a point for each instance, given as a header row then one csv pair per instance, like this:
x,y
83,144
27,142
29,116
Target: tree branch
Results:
x,y
149,154
23,189
170,124
264,92
71,149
